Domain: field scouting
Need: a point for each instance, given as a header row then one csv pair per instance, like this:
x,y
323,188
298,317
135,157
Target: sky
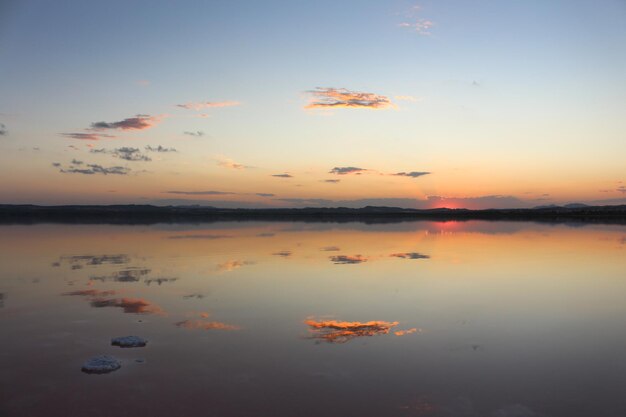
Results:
x,y
421,104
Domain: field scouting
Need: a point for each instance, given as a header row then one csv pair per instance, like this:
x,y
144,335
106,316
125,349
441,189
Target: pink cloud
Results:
x,y
207,104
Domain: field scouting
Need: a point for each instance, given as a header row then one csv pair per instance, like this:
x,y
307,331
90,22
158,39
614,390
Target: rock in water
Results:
x,y
101,365
129,341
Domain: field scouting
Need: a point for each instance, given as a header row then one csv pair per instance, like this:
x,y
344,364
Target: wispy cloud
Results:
x,y
407,331
347,170
209,192
197,133
406,98
229,266
3,130
229,163
139,122
421,26
412,174
129,305
409,255
207,104
125,153
86,136
331,181
348,259
285,175
197,324
159,149
92,169
265,195
416,23
621,189
343,98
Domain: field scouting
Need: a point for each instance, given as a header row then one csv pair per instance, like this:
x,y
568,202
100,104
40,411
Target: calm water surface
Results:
x,y
468,319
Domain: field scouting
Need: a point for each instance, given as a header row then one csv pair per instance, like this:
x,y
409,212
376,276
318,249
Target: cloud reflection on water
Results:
x,y
333,331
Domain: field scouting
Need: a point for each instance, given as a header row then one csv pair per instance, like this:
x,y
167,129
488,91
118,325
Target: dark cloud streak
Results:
x,y
412,174
346,170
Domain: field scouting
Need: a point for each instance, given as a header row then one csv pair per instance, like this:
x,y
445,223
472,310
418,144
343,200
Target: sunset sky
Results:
x,y
436,103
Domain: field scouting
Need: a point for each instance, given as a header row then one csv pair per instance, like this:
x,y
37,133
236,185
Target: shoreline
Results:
x,y
147,214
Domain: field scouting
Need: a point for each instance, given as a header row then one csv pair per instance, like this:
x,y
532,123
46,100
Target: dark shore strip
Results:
x,y
146,214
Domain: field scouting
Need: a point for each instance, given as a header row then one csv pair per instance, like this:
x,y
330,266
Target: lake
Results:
x,y
433,319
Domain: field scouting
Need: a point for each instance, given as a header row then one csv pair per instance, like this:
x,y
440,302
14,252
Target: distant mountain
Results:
x,y
548,206
567,206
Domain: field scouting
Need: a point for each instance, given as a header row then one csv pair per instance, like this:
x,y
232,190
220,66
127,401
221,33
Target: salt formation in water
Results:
x,y
101,365
129,341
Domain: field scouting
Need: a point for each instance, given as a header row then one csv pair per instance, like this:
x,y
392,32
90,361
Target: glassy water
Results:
x,y
469,319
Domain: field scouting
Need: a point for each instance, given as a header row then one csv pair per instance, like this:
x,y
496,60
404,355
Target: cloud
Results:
x,y
409,255
139,122
232,265
197,133
421,26
229,163
475,203
129,305
265,195
347,170
94,260
344,98
86,136
159,281
282,175
133,274
194,295
130,154
76,162
3,130
330,249
416,23
331,181
125,153
56,164
480,202
407,331
412,174
96,169
197,324
283,253
91,293
207,104
159,149
621,189
333,331
210,192
347,259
